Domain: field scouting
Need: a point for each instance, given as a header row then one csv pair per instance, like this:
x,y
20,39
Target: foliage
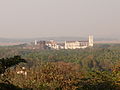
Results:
x,y
5,64
61,76
96,68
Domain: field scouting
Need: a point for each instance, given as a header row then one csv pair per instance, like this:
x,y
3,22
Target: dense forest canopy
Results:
x,y
92,68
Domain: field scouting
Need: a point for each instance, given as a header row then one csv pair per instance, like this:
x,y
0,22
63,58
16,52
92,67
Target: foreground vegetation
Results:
x,y
94,68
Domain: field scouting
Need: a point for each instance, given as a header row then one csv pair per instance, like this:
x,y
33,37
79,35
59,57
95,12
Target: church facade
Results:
x,y
79,44
66,45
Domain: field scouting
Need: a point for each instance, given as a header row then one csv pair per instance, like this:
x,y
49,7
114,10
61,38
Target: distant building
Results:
x,y
67,45
91,41
52,44
79,44
61,45
40,45
46,45
36,42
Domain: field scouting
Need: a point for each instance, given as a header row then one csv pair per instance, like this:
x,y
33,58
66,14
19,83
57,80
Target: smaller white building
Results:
x,y
52,44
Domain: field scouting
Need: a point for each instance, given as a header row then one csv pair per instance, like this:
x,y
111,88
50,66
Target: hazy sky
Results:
x,y
44,18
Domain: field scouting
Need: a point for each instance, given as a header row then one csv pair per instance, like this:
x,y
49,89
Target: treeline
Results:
x,y
94,68
58,76
99,58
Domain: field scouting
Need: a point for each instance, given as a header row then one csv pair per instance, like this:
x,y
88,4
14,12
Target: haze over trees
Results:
x,y
96,68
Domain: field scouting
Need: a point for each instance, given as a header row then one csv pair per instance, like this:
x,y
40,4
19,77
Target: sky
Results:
x,y
57,18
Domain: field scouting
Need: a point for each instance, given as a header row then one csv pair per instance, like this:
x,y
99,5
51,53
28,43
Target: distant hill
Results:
x,y
59,39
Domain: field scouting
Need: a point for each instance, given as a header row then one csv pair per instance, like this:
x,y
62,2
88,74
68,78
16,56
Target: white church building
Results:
x,y
79,44
67,45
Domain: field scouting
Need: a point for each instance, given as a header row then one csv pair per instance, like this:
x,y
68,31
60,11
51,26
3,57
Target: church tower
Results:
x,y
90,40
35,42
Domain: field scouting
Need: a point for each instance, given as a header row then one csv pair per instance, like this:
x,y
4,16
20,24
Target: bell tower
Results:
x,y
35,42
90,40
